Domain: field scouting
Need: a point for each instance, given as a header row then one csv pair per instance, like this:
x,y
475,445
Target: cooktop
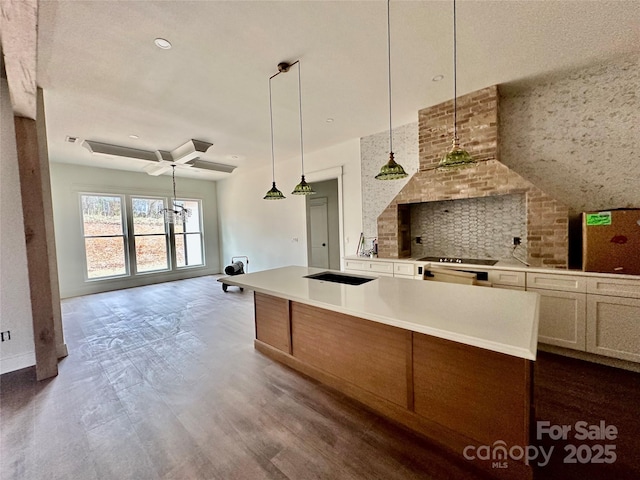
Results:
x,y
472,261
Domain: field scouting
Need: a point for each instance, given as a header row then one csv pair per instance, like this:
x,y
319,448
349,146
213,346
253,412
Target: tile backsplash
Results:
x,y
481,227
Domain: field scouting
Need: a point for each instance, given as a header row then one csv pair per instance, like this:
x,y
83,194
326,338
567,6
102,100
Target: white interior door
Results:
x,y
319,225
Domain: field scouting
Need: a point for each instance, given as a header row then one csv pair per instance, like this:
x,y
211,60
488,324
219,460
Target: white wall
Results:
x,y
576,136
265,230
67,181
15,302
377,194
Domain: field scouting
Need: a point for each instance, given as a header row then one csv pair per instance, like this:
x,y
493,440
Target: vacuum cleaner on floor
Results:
x,y
235,268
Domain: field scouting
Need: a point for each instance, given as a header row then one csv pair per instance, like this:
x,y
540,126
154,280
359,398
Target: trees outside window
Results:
x,y
104,232
188,236
149,234
127,235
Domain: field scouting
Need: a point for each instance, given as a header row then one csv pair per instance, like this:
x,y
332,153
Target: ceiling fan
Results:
x,y
186,155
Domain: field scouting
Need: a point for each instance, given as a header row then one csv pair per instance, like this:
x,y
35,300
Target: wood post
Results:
x,y
33,206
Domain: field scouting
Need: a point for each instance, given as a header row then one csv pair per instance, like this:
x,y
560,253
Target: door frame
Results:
x,y
334,173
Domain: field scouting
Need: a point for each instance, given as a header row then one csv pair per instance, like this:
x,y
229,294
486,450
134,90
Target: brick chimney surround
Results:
x,y
478,128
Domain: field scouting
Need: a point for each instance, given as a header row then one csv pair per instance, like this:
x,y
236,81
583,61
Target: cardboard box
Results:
x,y
611,241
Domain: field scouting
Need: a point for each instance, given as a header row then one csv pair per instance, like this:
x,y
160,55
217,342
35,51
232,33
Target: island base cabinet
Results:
x,y
484,395
457,395
272,321
373,356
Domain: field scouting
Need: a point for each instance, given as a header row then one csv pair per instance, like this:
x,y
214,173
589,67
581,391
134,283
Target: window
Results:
x,y
104,235
188,236
149,235
127,235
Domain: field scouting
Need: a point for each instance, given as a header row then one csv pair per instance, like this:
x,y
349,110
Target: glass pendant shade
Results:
x,y
391,170
178,214
274,194
303,188
456,158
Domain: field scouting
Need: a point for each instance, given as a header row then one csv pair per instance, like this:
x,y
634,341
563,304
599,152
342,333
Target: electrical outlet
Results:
x,y
517,241
6,335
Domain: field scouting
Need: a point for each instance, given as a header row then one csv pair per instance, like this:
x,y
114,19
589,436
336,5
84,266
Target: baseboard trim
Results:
x,y
17,362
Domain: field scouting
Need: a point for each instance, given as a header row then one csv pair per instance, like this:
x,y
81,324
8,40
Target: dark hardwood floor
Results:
x,y
163,382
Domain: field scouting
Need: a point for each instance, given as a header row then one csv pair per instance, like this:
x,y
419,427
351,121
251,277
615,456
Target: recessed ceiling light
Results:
x,y
329,120
135,137
437,78
162,43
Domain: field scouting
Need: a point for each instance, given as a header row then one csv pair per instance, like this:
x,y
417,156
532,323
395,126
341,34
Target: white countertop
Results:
x,y
504,321
513,266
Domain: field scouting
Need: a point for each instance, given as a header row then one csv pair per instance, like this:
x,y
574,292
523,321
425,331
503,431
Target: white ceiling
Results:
x,y
104,79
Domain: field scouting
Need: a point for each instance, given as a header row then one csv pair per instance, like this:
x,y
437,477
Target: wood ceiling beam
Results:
x,y
19,37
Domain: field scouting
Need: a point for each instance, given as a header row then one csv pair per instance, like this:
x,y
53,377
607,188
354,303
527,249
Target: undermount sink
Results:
x,y
339,278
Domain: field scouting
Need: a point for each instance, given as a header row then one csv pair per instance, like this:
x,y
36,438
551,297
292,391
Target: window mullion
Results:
x,y
130,238
171,242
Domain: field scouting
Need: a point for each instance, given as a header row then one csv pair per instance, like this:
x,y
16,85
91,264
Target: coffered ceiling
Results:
x,y
105,80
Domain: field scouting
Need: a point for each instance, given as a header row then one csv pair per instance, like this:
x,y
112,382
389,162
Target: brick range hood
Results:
x,y
547,219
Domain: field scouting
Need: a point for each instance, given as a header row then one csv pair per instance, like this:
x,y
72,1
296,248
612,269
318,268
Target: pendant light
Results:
x,y
391,170
178,214
456,157
274,193
303,188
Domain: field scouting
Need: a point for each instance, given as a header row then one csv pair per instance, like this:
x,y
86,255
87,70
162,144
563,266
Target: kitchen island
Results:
x,y
452,362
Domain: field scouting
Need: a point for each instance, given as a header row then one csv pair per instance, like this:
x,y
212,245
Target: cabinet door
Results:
x,y
613,327
616,287
356,265
556,281
562,318
381,267
506,278
403,270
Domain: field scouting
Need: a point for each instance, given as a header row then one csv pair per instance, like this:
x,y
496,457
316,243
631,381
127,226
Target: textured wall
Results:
x,y
374,152
474,228
547,219
15,300
578,137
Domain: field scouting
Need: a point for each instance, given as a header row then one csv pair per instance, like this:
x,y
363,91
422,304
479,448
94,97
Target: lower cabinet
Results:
x,y
456,394
377,268
562,318
272,321
484,394
613,326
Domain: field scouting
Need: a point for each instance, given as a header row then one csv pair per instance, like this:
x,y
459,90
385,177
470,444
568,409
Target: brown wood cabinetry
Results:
x,y
272,321
480,393
456,394
370,355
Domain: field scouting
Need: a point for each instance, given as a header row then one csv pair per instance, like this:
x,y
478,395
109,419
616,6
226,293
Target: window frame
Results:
x,y
128,235
132,242
124,235
184,234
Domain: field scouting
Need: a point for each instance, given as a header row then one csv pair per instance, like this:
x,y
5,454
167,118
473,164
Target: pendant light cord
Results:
x,y
173,174
389,63
273,158
455,77
300,104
